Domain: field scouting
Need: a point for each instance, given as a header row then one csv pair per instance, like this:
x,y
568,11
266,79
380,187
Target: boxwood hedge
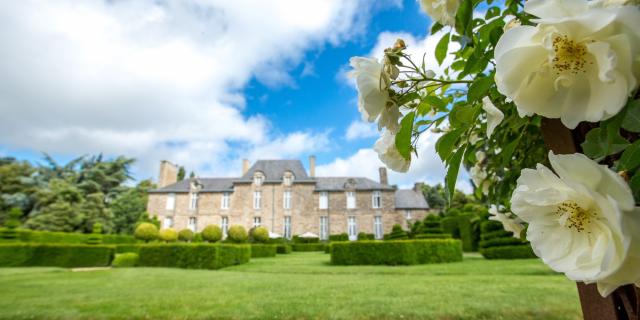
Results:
x,y
283,248
55,255
401,252
193,256
496,243
305,247
25,235
508,252
263,250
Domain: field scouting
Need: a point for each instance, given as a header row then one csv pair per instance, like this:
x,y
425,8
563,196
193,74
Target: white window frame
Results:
x,y
323,202
407,214
257,199
287,180
324,227
257,221
287,227
171,201
378,231
225,226
376,200
286,199
352,228
258,179
193,201
192,224
351,200
167,223
224,203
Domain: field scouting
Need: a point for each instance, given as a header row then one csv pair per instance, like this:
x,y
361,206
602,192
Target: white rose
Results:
x,y
512,225
582,221
480,156
443,11
479,178
579,64
373,94
388,153
494,115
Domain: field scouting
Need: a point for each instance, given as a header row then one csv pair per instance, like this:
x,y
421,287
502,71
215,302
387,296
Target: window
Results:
x,y
287,227
352,228
225,200
257,199
324,200
193,201
286,202
407,214
258,178
377,227
257,221
376,200
287,179
193,224
324,228
171,201
351,200
225,226
168,222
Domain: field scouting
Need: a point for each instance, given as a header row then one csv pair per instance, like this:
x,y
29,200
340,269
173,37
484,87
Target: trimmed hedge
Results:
x,y
306,247
508,252
397,233
26,235
297,239
263,250
283,248
122,248
402,252
496,243
339,237
55,255
433,236
125,260
193,256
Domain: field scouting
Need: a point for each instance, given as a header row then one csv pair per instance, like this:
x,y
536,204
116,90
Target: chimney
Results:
x,y
417,187
245,166
312,166
383,176
168,174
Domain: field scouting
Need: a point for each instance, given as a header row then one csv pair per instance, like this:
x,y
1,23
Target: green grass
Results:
x,y
294,286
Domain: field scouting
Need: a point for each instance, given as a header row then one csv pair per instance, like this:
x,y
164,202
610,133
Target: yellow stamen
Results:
x,y
577,217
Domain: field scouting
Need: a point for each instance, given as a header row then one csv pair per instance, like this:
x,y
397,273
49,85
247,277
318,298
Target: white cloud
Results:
x,y
426,168
158,80
359,129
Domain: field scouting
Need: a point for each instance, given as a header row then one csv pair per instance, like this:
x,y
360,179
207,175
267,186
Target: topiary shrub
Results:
x,y
259,250
260,235
168,235
365,236
298,239
123,248
396,252
185,235
55,255
125,260
339,237
211,233
397,233
197,237
307,247
237,234
497,243
146,232
193,256
283,248
11,224
96,234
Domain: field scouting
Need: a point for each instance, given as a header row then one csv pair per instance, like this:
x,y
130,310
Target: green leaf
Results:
x,y
463,17
631,121
425,105
403,138
634,184
446,143
630,158
602,142
479,88
463,115
507,152
453,166
436,27
408,97
442,48
492,12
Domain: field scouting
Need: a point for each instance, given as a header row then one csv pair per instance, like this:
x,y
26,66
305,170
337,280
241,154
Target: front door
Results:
x,y
352,228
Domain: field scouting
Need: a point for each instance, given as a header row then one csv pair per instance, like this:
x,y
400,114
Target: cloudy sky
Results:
x,y
200,83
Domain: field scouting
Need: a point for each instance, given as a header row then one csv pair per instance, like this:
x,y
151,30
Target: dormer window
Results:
x,y
258,178
287,179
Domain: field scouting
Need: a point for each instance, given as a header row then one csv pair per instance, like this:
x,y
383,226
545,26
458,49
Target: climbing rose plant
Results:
x,y
505,67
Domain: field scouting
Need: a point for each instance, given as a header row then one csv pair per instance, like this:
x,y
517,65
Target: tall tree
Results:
x,y
129,207
181,173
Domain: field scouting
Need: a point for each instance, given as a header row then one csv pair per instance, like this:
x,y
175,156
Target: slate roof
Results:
x,y
274,170
341,183
409,199
208,185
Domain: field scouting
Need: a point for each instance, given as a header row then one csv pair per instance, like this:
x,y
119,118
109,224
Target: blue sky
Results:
x,y
202,84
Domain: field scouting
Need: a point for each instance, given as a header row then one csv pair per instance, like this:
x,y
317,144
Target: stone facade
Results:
x,y
304,212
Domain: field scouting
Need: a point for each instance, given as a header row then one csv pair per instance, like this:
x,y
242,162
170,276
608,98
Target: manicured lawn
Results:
x,y
299,285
